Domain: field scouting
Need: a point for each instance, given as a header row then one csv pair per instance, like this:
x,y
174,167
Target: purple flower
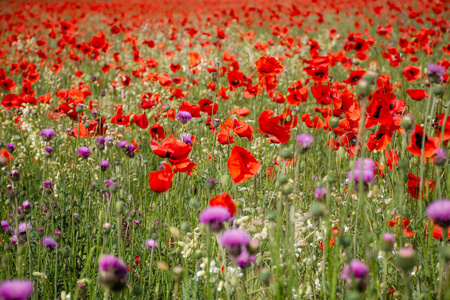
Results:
x,y
23,228
186,138
47,134
440,157
5,225
439,212
48,150
359,270
151,244
305,140
215,216
49,243
122,144
234,237
84,152
14,175
16,289
364,170
113,272
26,205
104,165
10,147
245,259
130,150
389,237
100,142
437,70
320,193
184,116
48,187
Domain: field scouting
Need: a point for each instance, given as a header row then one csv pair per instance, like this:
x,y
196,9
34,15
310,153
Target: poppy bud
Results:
x,y
363,88
286,189
184,226
216,123
198,254
106,228
193,202
437,90
66,251
264,276
120,207
286,153
87,124
283,179
199,120
406,122
334,122
317,209
166,106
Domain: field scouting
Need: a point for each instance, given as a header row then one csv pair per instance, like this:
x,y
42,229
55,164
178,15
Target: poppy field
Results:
x,y
224,149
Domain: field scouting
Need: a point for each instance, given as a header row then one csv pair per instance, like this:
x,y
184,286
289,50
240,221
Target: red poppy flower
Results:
x,y
403,223
267,65
209,107
11,100
224,200
446,134
324,94
437,231
391,158
193,109
6,155
244,130
412,73
380,139
225,135
354,77
140,120
415,143
171,148
241,111
272,126
8,84
297,93
242,164
414,186
157,132
417,95
160,181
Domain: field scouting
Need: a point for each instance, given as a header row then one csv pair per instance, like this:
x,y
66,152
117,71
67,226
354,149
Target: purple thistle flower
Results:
x,y
47,134
104,165
151,244
215,216
16,289
437,70
49,243
184,116
113,272
245,259
389,237
359,270
320,193
48,150
130,150
439,212
23,227
5,225
122,144
84,152
100,142
364,170
48,187
234,237
305,140
14,175
440,157
10,147
186,138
